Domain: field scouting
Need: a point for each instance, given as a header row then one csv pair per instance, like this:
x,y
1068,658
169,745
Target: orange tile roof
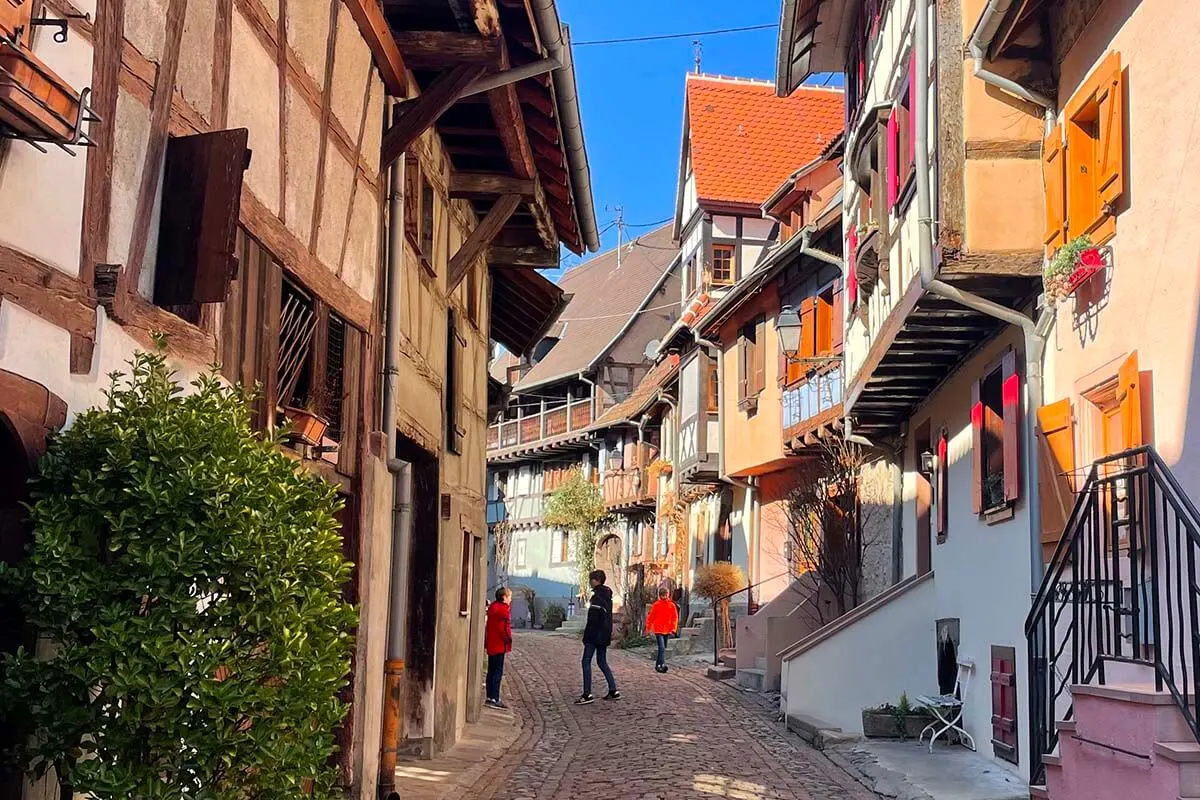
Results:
x,y
745,140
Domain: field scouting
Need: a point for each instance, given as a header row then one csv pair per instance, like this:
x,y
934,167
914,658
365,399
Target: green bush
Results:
x,y
186,580
553,616
634,640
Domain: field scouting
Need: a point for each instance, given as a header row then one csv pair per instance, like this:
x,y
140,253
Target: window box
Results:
x,y
35,103
308,427
1073,266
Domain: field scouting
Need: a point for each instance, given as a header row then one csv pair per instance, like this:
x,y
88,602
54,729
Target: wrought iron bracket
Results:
x,y
59,25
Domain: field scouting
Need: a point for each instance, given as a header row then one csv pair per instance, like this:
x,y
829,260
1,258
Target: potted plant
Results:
x,y
1073,264
310,421
900,721
657,467
553,617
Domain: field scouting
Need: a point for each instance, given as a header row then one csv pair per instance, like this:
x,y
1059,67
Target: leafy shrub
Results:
x,y
553,616
187,577
636,640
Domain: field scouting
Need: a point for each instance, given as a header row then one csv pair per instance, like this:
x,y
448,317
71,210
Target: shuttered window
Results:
x,y
452,389
428,223
464,585
1004,703
752,363
197,239
1054,178
995,435
1056,467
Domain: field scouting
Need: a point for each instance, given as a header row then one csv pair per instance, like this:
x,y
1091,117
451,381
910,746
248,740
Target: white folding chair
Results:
x,y
948,708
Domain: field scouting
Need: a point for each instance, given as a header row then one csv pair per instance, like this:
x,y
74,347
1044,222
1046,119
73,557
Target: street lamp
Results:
x,y
787,324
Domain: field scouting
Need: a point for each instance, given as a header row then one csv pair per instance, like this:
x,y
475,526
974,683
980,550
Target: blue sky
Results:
x,y
631,95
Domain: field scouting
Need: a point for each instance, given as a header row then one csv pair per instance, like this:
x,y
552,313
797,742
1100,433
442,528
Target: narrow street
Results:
x,y
678,735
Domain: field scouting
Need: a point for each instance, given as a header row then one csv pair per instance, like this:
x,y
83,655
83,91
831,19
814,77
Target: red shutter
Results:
x,y
852,266
893,158
1011,396
943,487
1004,703
839,314
976,449
197,239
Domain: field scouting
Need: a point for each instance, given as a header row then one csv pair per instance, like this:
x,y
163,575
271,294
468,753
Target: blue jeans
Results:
x,y
495,672
601,653
662,649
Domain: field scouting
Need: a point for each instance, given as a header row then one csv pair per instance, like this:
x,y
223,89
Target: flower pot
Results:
x,y
885,725
15,14
307,426
35,102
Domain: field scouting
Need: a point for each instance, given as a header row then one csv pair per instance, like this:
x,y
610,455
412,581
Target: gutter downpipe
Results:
x,y
1035,333
556,38
401,489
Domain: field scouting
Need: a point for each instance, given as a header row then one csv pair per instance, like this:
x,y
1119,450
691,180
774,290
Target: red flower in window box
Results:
x,y
1089,262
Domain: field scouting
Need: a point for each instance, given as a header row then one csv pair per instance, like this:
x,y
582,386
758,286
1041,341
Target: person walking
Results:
x,y
597,635
497,640
661,623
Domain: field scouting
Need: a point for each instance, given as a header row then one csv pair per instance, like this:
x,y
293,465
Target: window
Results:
x,y
722,264
689,277
452,389
464,586
427,225
995,408
472,295
714,388
197,239
637,534
901,139
752,357
1083,160
519,552
412,199
562,547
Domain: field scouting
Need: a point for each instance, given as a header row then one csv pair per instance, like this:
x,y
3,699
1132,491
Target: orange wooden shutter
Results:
x,y
1054,179
824,325
1056,466
976,449
1111,98
1129,394
808,328
1010,392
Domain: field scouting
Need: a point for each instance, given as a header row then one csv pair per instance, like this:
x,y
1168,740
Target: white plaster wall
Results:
x,y
724,227
690,201
866,664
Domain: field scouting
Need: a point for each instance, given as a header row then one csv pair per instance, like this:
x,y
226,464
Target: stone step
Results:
x,y
719,672
817,732
752,679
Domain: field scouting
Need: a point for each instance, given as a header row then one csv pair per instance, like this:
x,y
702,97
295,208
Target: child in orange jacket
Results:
x,y
661,622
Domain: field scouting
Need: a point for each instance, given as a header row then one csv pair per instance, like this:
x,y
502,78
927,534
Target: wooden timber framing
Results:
x,y
418,114
472,184
523,256
439,49
326,117
479,239
368,15
950,130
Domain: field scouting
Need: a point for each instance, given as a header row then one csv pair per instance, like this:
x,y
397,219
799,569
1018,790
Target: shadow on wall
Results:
x,y
543,592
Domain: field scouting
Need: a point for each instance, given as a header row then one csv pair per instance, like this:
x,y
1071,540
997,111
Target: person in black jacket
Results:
x,y
597,636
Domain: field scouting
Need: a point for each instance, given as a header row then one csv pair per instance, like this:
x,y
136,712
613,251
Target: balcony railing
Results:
x,y
574,416
629,487
805,401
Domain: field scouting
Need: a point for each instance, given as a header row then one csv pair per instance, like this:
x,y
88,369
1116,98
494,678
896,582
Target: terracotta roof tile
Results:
x,y
745,141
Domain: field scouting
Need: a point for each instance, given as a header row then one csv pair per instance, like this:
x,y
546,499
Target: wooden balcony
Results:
x,y
812,405
573,417
627,489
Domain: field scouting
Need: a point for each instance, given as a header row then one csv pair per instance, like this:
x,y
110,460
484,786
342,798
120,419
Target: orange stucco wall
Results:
x,y
1148,302
753,441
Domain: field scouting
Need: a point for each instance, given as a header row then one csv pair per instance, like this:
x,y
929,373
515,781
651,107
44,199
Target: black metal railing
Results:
x,y
719,642
1120,588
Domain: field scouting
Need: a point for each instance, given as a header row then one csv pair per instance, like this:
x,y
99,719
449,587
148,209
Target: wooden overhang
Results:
x,y
813,36
545,449
924,341
503,142
524,305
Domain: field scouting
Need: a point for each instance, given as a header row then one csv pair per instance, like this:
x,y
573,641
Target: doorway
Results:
x,y
15,537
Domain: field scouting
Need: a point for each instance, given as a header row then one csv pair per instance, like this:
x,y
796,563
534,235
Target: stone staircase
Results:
x,y
694,638
753,678
1126,741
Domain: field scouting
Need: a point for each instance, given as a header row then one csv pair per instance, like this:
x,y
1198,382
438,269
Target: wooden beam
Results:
x,y
472,184
418,114
523,256
438,49
510,127
368,15
480,239
543,218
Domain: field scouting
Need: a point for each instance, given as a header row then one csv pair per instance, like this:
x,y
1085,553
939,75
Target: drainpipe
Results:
x,y
402,487
1035,332
556,39
985,29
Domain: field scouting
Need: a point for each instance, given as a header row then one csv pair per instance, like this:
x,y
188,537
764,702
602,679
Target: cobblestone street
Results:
x,y
678,735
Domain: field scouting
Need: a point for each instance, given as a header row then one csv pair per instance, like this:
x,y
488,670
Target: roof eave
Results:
x,y
812,38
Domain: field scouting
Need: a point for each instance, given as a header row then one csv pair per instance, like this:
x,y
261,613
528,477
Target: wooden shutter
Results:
x,y
976,448
1054,180
197,233
943,487
1011,397
1129,395
1004,703
412,199
1056,465
893,156
824,318
760,354
808,327
852,266
924,503
839,315
743,367
452,386
1111,99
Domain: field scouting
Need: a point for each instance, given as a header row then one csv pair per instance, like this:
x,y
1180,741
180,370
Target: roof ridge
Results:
x,y
729,78
584,265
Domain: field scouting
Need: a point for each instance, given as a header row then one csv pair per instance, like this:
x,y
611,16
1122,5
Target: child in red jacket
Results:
x,y
497,640
661,622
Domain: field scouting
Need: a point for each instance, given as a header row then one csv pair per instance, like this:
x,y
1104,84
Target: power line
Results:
x,y
622,314
664,36
648,224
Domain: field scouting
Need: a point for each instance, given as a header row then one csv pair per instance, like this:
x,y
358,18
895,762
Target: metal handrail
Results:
x,y
723,598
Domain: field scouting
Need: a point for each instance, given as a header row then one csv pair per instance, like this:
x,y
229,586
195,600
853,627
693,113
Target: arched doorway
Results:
x,y
15,536
608,558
